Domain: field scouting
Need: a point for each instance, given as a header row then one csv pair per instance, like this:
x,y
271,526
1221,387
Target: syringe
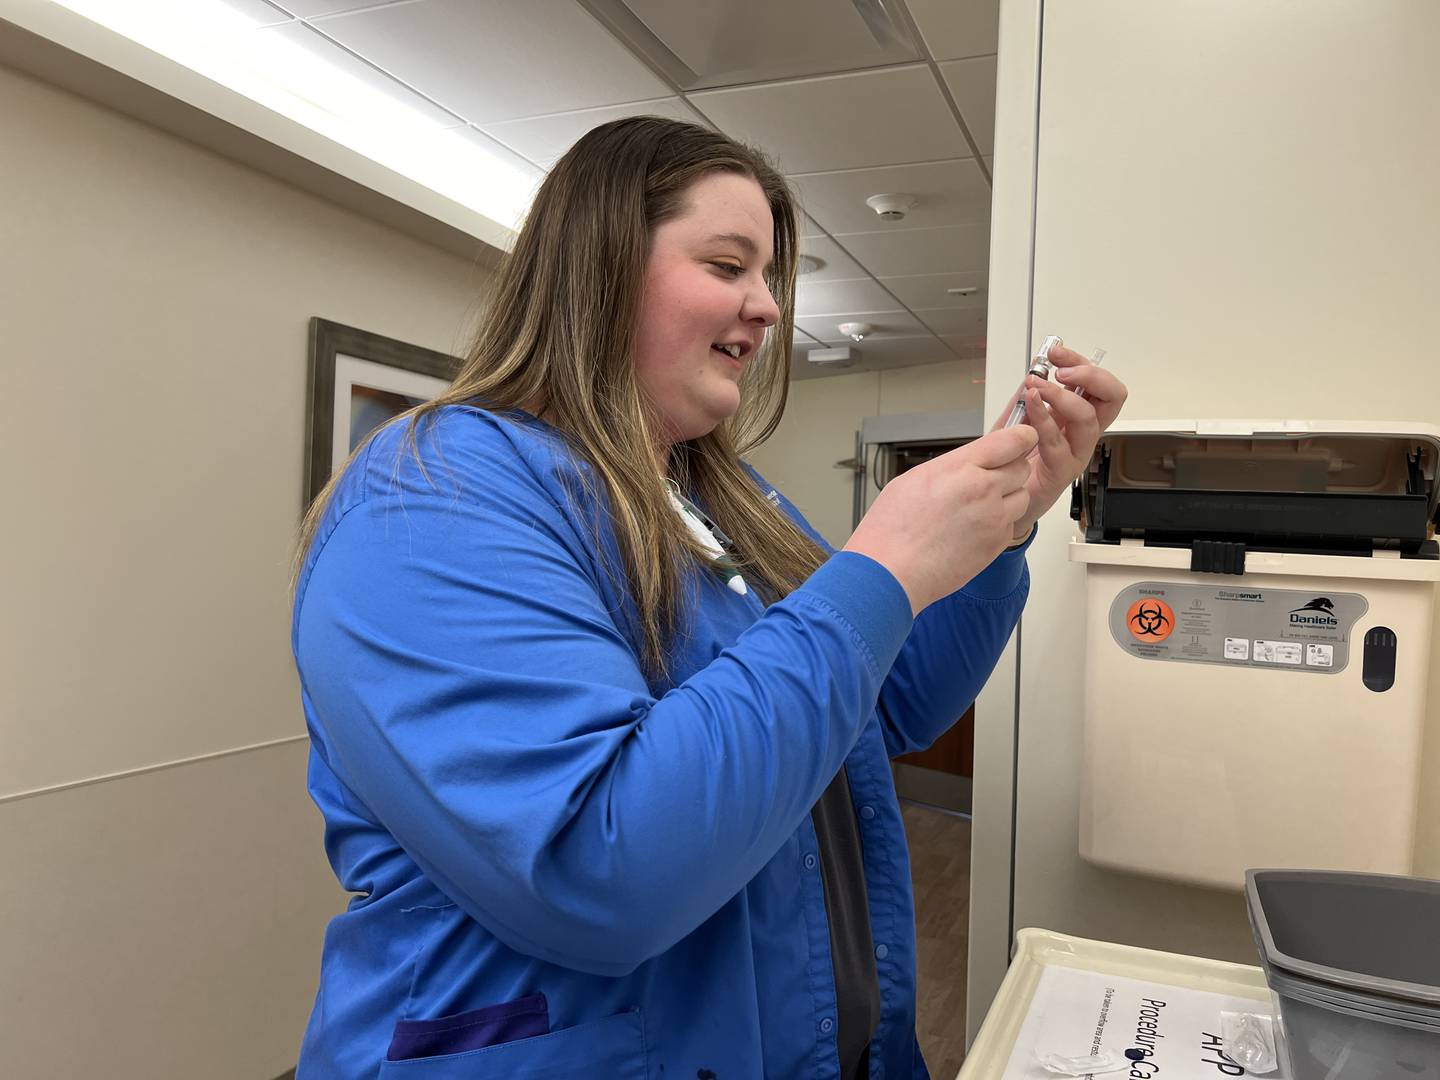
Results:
x,y
1040,367
1096,360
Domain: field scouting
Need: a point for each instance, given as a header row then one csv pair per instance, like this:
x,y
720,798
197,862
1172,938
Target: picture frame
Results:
x,y
357,381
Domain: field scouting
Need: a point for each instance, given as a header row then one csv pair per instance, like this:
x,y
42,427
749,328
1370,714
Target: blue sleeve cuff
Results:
x,y
869,598
1003,576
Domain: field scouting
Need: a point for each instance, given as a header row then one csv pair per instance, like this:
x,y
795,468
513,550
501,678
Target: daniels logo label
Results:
x,y
1318,612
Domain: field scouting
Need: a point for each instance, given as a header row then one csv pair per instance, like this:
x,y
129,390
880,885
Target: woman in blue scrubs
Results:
x,y
601,727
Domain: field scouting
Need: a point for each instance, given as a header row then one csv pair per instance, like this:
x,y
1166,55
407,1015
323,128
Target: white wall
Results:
x,y
1239,201
822,416
165,889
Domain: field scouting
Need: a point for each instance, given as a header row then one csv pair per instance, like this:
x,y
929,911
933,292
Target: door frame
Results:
x,y
1009,342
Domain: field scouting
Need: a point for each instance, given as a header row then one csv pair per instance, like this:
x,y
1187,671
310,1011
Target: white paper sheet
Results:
x,y
1163,1032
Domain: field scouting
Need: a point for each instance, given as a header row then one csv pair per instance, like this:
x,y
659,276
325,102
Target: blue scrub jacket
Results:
x,y
518,811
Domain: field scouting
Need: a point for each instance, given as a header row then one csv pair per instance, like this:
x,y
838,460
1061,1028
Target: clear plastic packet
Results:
x,y
1250,1041
1107,1061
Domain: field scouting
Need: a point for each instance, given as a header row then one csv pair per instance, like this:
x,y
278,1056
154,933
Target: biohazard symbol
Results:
x,y
1150,619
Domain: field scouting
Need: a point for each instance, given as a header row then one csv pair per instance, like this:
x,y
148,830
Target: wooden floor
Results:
x,y
940,867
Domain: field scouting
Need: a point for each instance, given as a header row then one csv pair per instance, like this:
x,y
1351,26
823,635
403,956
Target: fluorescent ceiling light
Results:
x,y
215,40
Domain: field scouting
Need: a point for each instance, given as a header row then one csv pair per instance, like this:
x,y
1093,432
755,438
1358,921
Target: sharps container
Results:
x,y
1258,606
1353,961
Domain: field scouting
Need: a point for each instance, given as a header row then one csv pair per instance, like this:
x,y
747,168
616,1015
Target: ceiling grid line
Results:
x,y
538,76
901,307
689,100
460,120
928,54
949,97
888,165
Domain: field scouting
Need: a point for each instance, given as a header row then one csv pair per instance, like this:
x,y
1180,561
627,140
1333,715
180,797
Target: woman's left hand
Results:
x,y
1068,429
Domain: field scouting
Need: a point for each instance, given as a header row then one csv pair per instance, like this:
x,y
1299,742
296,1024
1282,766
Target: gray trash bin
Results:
x,y
1354,963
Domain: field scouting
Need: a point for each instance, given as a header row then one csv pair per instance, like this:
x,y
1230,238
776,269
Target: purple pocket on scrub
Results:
x,y
522,1018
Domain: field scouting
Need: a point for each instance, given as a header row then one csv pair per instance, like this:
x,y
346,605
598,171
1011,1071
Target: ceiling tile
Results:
x,y
877,355
884,325
949,321
543,139
946,193
307,8
261,13
838,265
973,84
968,347
701,44
827,297
806,226
956,28
930,290
921,251
494,60
323,49
886,117
802,338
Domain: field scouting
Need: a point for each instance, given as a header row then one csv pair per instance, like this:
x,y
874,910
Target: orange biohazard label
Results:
x,y
1150,620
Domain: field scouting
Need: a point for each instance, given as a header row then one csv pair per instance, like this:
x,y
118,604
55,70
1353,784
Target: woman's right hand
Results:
x,y
939,524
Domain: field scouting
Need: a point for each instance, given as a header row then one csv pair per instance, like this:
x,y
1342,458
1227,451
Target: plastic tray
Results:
x,y
1036,950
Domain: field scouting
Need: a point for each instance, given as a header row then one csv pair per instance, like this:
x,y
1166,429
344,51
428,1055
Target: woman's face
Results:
x,y
705,298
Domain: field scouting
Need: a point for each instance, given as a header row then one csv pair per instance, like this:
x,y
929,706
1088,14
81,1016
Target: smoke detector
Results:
x,y
835,358
892,207
855,331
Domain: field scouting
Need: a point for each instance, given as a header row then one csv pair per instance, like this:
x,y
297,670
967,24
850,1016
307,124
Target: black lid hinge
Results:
x,y
1217,557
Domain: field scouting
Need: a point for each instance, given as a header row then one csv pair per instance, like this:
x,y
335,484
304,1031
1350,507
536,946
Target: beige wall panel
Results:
x,y
932,387
1238,201
1243,208
821,419
155,300
164,925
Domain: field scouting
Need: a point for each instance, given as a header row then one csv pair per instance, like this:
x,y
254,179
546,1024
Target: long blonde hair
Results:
x,y
557,343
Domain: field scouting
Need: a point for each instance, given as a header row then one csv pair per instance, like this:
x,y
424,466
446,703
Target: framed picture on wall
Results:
x,y
358,380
